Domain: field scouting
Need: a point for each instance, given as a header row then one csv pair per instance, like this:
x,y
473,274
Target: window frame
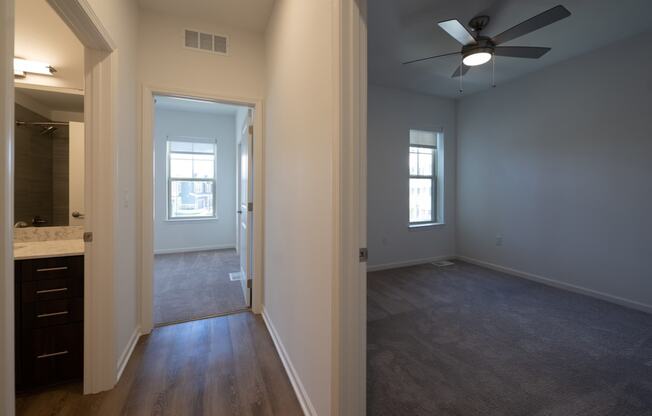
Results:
x,y
170,179
433,186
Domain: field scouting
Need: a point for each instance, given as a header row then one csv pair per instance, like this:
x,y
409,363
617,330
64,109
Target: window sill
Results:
x,y
424,226
205,219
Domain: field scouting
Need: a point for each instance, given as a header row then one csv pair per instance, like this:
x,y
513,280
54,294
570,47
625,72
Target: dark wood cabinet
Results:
x,y
49,321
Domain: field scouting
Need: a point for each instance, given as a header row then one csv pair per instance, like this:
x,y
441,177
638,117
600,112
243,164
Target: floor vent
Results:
x,y
206,42
235,276
442,263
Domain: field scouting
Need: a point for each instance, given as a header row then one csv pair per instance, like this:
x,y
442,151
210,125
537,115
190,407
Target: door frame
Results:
x,y
349,393
100,170
146,149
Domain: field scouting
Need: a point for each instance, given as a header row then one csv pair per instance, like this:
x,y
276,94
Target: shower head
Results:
x,y
48,130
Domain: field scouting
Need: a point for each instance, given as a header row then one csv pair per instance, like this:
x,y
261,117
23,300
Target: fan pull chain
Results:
x,y
461,73
493,70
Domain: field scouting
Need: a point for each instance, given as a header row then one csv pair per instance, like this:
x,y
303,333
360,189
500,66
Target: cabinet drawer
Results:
x,y
52,312
51,289
52,355
52,268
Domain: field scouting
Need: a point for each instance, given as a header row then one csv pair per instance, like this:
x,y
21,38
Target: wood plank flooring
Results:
x,y
220,366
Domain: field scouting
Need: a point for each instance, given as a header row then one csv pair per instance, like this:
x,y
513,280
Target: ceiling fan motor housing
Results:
x,y
483,44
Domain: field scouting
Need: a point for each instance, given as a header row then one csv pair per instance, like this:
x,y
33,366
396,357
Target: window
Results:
x,y
423,177
191,179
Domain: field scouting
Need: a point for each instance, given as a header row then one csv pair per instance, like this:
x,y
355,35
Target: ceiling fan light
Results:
x,y
477,58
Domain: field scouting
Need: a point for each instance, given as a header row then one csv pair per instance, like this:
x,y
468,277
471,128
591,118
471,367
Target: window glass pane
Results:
x,y
180,165
414,161
203,166
191,199
425,162
420,200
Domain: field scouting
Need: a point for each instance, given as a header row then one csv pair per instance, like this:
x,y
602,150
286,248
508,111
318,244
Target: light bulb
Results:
x,y
477,58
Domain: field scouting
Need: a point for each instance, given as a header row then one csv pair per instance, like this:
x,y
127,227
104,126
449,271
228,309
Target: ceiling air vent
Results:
x,y
206,42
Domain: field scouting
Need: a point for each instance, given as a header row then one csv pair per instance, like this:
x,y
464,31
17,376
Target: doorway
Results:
x,y
202,233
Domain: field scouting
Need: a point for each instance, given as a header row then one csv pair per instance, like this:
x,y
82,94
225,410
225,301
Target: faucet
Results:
x,y
38,221
21,224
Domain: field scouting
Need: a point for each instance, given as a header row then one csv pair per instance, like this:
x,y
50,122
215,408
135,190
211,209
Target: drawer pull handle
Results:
x,y
47,315
52,269
61,289
54,354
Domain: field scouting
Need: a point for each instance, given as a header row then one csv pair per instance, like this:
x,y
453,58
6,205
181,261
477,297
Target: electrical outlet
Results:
x,y
499,239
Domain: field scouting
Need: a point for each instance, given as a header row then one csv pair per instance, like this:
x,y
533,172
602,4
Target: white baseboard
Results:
x,y
192,249
406,263
299,390
560,285
126,354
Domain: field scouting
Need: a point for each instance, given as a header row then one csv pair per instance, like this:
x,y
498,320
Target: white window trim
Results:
x,y
438,185
169,179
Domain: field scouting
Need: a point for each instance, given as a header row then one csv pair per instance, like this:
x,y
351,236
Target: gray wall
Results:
x,y
391,115
41,178
560,164
204,234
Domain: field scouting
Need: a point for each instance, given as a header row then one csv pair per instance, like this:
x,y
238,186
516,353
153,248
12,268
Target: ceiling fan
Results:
x,y
478,49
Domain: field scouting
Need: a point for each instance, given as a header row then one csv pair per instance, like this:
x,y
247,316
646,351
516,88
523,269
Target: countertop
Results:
x,y
43,249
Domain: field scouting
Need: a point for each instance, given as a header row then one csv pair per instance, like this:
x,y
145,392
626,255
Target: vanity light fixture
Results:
x,y
22,67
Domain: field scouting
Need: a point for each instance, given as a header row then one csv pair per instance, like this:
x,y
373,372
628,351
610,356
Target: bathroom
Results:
x,y
49,180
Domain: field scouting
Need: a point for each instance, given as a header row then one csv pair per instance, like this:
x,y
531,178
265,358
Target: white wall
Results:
x,y
120,18
391,115
299,204
560,164
177,236
164,62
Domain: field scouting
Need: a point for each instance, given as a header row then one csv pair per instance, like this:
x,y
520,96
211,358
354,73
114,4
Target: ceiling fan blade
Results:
x,y
463,69
457,30
521,51
430,57
534,23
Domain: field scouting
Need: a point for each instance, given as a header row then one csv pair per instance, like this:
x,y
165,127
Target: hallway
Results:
x,y
219,366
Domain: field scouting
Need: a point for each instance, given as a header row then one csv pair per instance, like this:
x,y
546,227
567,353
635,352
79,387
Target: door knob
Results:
x,y
77,214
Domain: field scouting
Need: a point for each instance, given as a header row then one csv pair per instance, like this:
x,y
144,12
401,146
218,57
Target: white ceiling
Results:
x,y
401,30
41,35
195,106
250,15
53,99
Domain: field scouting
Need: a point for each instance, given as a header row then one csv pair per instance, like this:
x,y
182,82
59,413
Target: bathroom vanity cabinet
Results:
x,y
49,301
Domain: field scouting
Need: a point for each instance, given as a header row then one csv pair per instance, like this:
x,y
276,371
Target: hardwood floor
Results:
x,y
196,285
219,366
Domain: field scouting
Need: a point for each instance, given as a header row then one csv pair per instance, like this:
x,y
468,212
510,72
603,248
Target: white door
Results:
x,y
76,173
245,226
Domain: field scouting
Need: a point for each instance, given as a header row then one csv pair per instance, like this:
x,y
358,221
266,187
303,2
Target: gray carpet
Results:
x,y
465,340
195,285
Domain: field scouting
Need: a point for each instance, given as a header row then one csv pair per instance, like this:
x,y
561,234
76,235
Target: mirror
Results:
x,y
49,157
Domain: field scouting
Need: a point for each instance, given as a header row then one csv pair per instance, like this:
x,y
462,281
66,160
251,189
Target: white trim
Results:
x,y
408,263
126,354
7,379
193,249
99,257
349,325
84,23
146,150
560,285
297,385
